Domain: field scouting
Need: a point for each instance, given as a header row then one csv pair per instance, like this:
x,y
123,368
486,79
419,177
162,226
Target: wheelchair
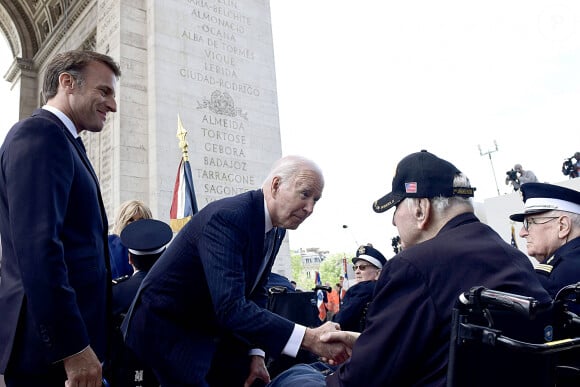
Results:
x,y
502,339
299,307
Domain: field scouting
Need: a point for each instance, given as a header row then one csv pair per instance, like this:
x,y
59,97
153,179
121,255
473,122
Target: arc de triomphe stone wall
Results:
x,y
210,62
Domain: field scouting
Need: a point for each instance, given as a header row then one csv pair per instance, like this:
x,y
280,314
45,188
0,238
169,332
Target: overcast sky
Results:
x,y
362,84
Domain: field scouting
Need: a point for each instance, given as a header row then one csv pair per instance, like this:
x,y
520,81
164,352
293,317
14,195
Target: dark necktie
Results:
x,y
269,239
269,244
81,143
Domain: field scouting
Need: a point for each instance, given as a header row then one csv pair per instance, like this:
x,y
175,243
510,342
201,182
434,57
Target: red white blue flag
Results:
x,y
184,202
320,298
345,283
411,187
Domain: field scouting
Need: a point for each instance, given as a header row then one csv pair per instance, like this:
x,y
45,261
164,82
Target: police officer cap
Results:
x,y
543,197
146,236
371,255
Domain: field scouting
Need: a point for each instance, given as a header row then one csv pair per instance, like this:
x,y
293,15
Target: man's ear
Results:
x,y
564,226
423,211
66,81
275,185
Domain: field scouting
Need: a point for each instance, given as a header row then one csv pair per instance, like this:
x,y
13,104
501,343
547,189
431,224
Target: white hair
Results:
x,y
287,167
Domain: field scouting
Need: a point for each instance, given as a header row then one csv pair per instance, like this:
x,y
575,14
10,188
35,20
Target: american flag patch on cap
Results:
x,y
411,187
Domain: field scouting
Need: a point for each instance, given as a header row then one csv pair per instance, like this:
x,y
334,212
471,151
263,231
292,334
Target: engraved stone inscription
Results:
x,y
219,33
108,22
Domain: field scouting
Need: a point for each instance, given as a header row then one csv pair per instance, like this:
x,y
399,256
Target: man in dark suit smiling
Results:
x,y
55,279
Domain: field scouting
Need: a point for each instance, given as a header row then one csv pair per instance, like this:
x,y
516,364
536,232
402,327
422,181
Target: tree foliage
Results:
x,y
330,270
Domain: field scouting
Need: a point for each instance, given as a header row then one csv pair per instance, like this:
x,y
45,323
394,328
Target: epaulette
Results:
x,y
544,268
121,279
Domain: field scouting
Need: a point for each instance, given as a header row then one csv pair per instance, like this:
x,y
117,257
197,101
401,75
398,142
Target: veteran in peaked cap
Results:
x,y
368,263
371,255
146,240
543,197
551,228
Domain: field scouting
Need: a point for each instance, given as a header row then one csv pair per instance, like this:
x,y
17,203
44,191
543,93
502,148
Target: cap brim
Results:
x,y
367,258
520,217
517,217
387,202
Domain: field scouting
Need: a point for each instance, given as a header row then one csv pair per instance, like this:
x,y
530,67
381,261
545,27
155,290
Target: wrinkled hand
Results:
x,y
83,370
347,338
334,351
258,370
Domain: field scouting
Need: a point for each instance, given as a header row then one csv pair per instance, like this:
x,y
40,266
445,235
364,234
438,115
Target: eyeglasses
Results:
x,y
361,267
530,220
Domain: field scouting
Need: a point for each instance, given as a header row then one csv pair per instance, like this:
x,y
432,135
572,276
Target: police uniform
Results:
x,y
352,314
145,240
563,267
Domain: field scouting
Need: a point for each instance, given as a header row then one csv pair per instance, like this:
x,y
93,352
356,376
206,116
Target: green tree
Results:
x,y
298,272
331,269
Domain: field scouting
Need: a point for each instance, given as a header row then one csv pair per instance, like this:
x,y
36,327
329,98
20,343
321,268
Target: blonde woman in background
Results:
x,y
128,212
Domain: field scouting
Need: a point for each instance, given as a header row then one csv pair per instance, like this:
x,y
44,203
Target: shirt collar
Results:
x,y
268,220
63,117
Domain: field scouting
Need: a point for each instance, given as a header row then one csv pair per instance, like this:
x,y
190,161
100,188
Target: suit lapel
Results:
x,y
270,255
83,154
87,163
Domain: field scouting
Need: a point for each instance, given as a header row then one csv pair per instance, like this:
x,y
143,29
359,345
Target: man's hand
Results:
x,y
336,351
345,337
83,369
258,370
348,338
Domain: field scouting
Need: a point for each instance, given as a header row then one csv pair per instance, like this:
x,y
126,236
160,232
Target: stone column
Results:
x,y
209,62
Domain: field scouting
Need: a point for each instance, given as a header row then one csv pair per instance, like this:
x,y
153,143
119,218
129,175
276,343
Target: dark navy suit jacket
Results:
x,y
562,269
124,292
54,276
202,289
352,313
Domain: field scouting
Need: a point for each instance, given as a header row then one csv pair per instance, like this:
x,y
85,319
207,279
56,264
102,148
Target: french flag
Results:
x,y
320,299
183,203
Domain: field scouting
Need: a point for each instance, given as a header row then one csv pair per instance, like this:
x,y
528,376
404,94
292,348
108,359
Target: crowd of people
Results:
x,y
192,309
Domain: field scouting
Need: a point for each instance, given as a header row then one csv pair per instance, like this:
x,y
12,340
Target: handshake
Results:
x,y
329,342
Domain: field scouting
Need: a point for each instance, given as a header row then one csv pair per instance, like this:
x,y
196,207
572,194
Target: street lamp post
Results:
x,y
488,153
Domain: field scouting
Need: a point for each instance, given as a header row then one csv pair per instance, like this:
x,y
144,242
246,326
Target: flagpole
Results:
x,y
181,133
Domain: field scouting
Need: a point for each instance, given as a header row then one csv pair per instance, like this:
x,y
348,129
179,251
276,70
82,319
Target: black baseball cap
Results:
x,y
422,175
